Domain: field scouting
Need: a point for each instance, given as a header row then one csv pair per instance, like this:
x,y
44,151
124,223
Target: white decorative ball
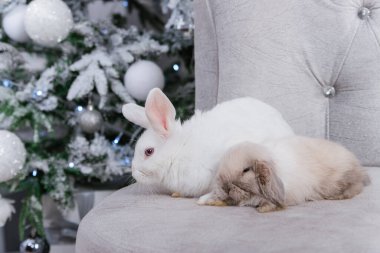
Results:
x,y
13,24
12,155
48,22
141,77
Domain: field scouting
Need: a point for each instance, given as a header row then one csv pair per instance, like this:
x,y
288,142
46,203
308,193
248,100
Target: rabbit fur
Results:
x,y
287,171
183,157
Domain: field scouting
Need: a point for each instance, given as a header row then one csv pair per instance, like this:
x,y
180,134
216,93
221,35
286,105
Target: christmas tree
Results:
x,y
64,77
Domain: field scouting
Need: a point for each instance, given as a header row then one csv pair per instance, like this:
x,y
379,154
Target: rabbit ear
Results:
x,y
160,112
270,185
136,114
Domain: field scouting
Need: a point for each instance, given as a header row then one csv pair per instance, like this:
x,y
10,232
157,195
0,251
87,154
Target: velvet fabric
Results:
x,y
287,53
135,220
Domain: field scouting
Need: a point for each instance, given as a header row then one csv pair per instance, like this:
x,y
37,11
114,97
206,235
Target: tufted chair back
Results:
x,y
317,61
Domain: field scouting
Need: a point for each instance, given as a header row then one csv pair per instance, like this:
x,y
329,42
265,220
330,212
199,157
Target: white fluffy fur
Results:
x,y
186,158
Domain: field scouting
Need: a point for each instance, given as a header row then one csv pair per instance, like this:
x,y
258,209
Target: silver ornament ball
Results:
x,y
34,245
90,120
12,155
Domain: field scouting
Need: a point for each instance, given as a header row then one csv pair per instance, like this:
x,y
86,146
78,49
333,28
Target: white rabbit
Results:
x,y
283,172
184,157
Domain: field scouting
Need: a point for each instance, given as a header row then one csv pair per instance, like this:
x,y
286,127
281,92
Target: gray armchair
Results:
x,y
318,62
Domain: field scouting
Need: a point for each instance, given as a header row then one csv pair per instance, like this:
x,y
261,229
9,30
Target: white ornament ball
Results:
x,y
141,77
12,155
48,22
13,24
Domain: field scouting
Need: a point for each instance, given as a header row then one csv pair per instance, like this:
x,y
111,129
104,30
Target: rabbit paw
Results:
x,y
176,195
217,203
208,200
204,199
268,207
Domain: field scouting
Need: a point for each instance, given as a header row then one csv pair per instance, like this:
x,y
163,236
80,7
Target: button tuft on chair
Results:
x,y
329,91
364,13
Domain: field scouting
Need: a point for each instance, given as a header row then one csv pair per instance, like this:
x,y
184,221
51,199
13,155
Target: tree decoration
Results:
x,y
181,17
48,22
93,69
90,120
34,244
98,157
141,77
42,92
12,155
13,24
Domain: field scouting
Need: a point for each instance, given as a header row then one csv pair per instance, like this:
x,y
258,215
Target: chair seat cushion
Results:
x,y
134,219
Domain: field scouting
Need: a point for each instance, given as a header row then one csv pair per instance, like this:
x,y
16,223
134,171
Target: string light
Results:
x,y
7,83
175,67
79,108
117,139
39,95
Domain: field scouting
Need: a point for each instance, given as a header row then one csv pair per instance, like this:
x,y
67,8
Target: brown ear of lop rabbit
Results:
x,y
283,172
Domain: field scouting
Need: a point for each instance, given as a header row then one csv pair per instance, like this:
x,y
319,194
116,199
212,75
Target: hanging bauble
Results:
x,y
12,155
141,77
90,120
13,24
34,244
48,22
7,5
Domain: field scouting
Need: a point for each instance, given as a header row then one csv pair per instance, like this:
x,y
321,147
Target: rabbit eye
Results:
x,y
247,169
149,151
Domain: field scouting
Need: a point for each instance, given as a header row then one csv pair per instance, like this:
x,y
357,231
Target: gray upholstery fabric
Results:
x,y
285,53
134,220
